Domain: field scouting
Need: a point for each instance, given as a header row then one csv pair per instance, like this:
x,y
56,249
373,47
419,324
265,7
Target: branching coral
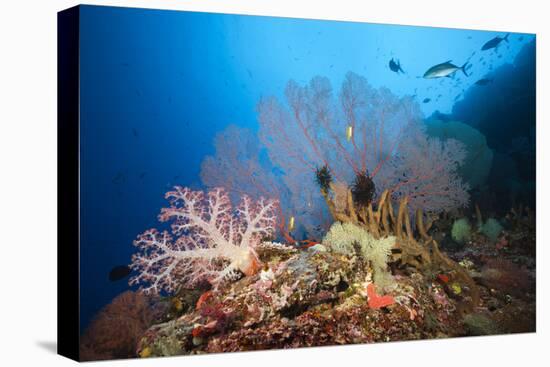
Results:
x,y
343,237
381,221
209,240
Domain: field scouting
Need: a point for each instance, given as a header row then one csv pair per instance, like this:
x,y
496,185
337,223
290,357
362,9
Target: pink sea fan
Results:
x,y
209,240
116,329
387,140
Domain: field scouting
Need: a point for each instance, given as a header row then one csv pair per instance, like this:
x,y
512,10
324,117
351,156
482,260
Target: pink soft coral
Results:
x,y
209,240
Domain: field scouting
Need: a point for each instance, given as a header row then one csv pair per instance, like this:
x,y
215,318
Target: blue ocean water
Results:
x,y
156,87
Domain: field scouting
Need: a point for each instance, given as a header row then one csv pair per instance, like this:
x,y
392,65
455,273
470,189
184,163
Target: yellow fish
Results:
x,y
291,224
349,132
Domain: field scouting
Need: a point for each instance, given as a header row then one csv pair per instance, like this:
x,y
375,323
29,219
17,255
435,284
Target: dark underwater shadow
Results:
x,y
48,345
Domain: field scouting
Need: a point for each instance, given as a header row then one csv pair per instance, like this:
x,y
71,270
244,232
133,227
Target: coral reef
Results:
x,y
309,298
424,255
210,241
371,211
376,277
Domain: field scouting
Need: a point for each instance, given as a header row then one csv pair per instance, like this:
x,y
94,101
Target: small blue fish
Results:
x,y
493,43
483,81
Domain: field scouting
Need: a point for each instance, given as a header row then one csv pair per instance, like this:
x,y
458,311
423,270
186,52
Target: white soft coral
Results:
x,y
209,240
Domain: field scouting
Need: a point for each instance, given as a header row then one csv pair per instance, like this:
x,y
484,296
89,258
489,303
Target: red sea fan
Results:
x,y
115,331
209,240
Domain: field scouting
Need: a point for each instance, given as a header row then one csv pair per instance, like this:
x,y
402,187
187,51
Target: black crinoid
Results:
x,y
362,189
323,178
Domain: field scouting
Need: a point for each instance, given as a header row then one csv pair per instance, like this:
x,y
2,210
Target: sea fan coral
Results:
x,y
116,329
388,141
344,237
209,241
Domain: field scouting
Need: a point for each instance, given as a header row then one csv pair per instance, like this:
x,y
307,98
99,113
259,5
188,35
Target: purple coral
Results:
x,y
209,240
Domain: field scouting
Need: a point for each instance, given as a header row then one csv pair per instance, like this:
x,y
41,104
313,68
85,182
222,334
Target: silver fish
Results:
x,y
444,69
